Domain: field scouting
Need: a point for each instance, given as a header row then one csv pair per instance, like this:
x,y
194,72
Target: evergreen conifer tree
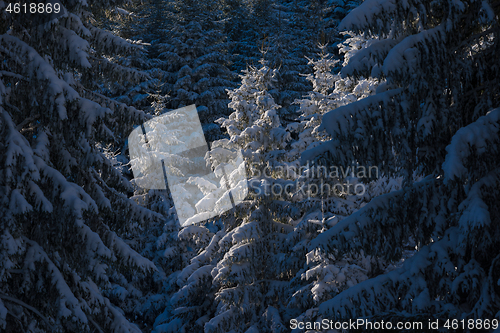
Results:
x,y
436,117
67,226
330,91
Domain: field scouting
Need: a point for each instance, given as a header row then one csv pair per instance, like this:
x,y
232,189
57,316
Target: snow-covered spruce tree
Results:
x,y
279,40
319,101
126,22
330,91
239,27
186,59
232,284
194,53
321,275
248,281
67,228
259,269
435,117
147,20
311,22
255,126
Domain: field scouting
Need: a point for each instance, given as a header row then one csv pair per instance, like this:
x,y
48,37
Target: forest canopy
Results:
x,y
368,131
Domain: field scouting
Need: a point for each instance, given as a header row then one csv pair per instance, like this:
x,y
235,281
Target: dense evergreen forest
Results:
x,y
370,135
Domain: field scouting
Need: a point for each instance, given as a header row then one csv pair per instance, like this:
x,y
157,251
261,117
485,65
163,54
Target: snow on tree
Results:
x,y
185,59
255,126
234,284
259,255
191,56
171,148
68,245
416,96
432,117
330,91
288,31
